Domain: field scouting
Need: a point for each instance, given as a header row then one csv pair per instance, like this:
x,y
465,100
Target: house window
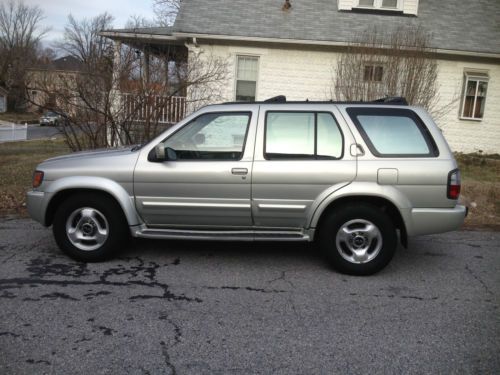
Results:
x,y
381,4
474,96
373,73
246,78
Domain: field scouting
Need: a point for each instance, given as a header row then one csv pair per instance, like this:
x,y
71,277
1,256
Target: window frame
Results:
x,y
257,57
377,5
374,66
289,157
477,77
354,112
249,113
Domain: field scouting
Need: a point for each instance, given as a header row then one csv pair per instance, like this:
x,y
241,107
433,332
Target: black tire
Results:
x,y
349,228
89,214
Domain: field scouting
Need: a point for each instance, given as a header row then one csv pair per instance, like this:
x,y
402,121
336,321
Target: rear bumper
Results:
x,y
434,220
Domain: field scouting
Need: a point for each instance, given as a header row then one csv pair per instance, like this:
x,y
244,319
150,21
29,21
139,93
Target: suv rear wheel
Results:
x,y
89,227
358,239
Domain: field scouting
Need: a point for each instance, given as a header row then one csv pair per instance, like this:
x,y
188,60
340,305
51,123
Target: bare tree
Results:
x,y
82,38
127,103
20,35
394,63
167,11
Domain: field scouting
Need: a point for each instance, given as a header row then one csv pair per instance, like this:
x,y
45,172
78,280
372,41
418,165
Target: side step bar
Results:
x,y
221,235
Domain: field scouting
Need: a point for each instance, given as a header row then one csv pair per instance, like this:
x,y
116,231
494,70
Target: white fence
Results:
x,y
13,132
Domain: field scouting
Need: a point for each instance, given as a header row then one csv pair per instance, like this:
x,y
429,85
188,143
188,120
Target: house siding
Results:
x,y
469,135
308,74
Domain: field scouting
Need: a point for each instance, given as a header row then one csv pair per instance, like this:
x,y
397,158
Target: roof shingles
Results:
x,y
455,25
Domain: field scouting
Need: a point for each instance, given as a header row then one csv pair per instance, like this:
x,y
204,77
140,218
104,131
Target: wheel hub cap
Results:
x,y
358,241
87,229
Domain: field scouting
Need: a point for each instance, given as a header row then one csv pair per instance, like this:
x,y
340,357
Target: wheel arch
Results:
x,y
381,203
62,189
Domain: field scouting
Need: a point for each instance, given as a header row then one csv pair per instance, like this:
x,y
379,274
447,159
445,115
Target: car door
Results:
x,y
209,183
301,154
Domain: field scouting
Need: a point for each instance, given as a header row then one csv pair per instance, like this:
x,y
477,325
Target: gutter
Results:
x,y
180,37
122,35
319,43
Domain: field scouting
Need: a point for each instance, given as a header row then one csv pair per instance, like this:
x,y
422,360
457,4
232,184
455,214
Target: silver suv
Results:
x,y
354,177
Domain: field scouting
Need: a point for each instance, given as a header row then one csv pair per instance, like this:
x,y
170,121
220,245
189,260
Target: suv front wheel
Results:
x,y
358,239
89,227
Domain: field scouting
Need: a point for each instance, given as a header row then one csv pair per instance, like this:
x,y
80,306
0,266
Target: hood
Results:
x,y
99,153
116,164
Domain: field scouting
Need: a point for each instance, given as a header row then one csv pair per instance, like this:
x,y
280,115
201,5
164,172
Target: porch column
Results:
x,y
113,135
146,67
165,64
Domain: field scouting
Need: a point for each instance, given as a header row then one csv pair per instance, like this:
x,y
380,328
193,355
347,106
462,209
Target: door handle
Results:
x,y
239,171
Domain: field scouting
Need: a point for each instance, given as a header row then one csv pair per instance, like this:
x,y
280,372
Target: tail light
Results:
x,y
453,188
37,178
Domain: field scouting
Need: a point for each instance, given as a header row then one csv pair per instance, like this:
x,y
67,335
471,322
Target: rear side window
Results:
x,y
302,135
393,132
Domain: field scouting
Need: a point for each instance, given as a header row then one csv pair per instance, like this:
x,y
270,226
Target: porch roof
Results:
x,y
155,39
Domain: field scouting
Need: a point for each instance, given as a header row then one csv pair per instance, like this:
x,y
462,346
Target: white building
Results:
x,y
276,51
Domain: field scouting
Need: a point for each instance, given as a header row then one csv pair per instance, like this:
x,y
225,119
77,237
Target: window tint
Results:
x,y
302,135
212,136
391,132
290,133
329,136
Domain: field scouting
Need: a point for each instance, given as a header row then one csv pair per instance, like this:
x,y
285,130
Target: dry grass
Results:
x,y
480,180
481,189
17,163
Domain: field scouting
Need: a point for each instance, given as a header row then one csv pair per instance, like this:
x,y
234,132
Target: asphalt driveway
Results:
x,y
167,307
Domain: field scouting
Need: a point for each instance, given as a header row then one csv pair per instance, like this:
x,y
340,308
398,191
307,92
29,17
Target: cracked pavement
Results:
x,y
172,307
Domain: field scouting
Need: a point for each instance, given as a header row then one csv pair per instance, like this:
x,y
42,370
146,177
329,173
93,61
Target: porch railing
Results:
x,y
154,108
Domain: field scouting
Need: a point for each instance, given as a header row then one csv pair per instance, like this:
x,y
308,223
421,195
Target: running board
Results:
x,y
221,235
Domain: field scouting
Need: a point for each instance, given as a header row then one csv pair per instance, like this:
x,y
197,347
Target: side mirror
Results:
x,y
161,153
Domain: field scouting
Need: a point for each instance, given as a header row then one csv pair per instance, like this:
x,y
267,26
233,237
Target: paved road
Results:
x,y
168,307
37,132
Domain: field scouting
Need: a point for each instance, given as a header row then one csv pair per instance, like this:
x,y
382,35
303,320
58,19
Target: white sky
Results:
x,y
56,12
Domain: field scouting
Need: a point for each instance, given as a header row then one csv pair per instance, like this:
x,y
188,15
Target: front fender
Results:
x,y
365,189
111,187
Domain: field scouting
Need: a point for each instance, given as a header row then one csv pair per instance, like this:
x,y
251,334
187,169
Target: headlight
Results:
x,y
37,178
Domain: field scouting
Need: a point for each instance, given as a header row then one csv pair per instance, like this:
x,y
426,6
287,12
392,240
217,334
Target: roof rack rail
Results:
x,y
281,99
276,99
392,100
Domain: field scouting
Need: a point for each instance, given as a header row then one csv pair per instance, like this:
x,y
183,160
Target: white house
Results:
x,y
278,51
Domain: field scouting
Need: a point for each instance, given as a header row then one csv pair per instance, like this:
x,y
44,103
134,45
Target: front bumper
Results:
x,y
434,220
36,204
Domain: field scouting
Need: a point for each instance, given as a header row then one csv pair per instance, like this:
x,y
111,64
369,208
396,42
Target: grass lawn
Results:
x,y
481,189
480,180
17,163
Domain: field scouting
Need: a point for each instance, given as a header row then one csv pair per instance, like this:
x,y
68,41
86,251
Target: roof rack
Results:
x,y
281,99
